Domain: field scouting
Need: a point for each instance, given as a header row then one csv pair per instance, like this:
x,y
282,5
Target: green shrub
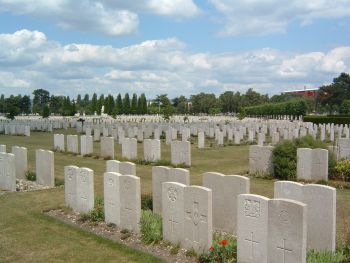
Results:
x,y
342,170
222,250
326,257
31,176
96,214
146,202
295,107
150,227
285,156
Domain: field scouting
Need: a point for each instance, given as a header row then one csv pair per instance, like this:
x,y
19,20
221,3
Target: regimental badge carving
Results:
x,y
284,216
110,181
251,208
172,194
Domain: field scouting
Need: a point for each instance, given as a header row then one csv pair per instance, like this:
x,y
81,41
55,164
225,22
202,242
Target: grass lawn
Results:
x,y
27,235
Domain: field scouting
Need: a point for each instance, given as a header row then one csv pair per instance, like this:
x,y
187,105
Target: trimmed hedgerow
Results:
x,y
337,119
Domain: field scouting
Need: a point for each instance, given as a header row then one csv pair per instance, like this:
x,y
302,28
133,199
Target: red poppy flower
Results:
x,y
223,242
211,248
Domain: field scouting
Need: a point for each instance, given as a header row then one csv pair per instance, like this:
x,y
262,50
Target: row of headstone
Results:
x,y
125,168
79,188
122,200
321,211
187,215
271,230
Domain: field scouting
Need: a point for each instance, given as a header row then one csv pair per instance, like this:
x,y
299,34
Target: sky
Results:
x,y
174,47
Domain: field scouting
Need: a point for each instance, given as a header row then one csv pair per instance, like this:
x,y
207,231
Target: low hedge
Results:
x,y
327,119
294,108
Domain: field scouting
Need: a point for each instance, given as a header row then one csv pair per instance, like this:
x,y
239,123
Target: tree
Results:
x,y
180,103
230,102
93,106
25,104
252,98
45,112
109,104
143,104
100,103
12,106
203,102
41,98
126,104
133,109
334,94
56,103
2,103
119,105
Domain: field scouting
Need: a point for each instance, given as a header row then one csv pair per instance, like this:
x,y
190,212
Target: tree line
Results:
x,y
333,98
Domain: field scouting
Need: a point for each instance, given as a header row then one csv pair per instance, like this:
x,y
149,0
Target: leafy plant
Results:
x,y
342,170
96,214
151,227
326,257
222,251
285,156
31,176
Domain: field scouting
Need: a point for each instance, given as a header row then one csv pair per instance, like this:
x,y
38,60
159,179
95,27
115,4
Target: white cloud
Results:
x,y
251,17
108,17
29,60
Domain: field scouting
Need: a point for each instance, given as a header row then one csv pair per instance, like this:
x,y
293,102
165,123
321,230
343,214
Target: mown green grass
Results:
x,y
26,235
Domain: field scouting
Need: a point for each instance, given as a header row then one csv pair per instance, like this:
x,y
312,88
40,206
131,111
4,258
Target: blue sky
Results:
x,y
171,46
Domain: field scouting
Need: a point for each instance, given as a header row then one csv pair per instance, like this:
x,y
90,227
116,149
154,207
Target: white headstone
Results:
x,y
21,161
130,202
173,211
44,164
85,190
225,190
287,231
198,225
252,232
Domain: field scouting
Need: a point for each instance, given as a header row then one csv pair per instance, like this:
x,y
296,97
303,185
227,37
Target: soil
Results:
x,y
112,232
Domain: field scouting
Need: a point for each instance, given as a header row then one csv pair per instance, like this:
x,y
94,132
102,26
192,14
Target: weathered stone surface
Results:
x,y
260,159
7,171
111,192
107,147
85,190
198,225
45,171
252,228
70,185
173,212
21,161
225,190
130,202
287,226
181,153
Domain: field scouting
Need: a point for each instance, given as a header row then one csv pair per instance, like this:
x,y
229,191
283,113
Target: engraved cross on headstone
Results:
x,y
284,250
252,243
196,219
